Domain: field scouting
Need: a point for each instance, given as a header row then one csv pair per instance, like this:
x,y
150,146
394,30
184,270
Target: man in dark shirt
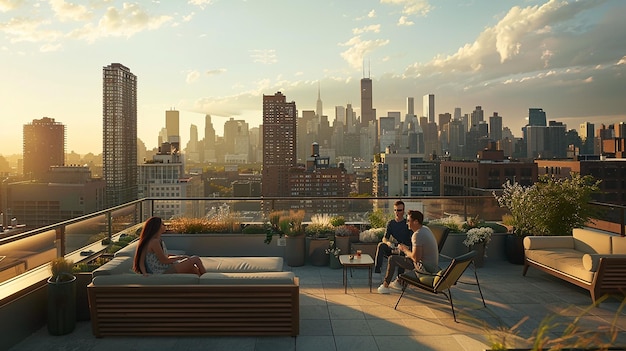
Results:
x,y
396,228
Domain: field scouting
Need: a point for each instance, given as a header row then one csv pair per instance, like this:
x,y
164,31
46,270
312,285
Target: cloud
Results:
x,y
192,76
125,22
371,14
200,3
66,11
8,5
214,72
404,21
28,30
411,7
371,28
264,56
50,47
358,49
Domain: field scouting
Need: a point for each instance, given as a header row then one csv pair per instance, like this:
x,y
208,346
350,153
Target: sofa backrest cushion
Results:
x,y
618,244
128,250
242,264
592,241
258,278
150,279
118,265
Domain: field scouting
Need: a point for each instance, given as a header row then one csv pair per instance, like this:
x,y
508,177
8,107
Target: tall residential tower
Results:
x,y
279,143
119,133
44,146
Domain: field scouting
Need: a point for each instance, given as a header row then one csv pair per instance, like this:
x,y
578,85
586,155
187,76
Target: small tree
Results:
x,y
551,206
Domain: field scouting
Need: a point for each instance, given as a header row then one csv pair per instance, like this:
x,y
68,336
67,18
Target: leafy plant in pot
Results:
x,y
61,297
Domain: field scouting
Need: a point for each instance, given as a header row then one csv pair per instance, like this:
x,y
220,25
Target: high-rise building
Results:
x,y
44,146
319,111
537,117
428,107
209,140
410,106
587,133
368,113
495,127
478,115
172,124
279,143
237,141
119,140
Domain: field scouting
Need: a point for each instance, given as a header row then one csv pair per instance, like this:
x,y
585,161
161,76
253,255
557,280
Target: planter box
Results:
x,y
454,247
366,248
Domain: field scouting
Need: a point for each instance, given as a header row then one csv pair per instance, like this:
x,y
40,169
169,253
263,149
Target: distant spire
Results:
x,y
319,111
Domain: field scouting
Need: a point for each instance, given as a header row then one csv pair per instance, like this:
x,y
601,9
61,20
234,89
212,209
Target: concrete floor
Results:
x,y
363,321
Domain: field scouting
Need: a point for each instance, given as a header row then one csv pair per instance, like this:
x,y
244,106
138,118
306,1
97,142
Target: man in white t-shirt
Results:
x,y
423,256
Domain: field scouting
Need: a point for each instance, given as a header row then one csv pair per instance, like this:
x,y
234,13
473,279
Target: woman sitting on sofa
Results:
x,y
151,256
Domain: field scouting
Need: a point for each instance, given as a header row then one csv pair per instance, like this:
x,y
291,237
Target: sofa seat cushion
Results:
x,y
118,265
567,261
242,264
247,278
150,279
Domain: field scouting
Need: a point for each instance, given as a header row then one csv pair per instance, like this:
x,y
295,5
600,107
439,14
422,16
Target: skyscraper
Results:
x,y
209,140
279,143
495,127
44,146
119,139
537,117
368,113
319,111
478,115
410,106
428,107
172,124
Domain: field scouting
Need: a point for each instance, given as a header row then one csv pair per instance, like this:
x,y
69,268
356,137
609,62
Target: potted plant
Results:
x,y
478,239
345,235
333,253
294,235
317,233
368,241
549,207
61,297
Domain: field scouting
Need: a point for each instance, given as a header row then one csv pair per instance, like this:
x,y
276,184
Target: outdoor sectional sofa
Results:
x,y
237,296
592,259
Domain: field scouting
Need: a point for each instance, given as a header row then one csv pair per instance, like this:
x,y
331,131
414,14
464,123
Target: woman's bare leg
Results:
x,y
191,264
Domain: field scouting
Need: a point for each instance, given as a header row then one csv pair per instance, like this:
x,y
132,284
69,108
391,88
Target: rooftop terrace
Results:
x,y
363,321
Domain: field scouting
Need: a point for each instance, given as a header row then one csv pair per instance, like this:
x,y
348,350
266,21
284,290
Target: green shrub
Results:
x,y
254,229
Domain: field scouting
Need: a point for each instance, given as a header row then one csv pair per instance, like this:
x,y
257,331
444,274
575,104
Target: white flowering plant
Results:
x,y
332,249
477,236
372,235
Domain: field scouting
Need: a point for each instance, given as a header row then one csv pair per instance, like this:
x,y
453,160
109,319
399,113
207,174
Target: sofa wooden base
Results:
x,y
610,277
242,310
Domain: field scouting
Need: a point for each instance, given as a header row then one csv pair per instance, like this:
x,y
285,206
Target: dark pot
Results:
x,y
61,306
316,251
82,302
294,252
514,248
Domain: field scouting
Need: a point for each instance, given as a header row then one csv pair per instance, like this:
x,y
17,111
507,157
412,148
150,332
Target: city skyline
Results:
x,y
220,57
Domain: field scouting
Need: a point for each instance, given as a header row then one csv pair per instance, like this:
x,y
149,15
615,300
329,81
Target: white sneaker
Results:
x,y
395,285
383,290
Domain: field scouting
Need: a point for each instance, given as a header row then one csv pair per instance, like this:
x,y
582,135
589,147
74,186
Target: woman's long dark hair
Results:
x,y
150,228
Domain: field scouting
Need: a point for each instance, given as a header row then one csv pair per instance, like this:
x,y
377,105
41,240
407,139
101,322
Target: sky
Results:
x,y
220,57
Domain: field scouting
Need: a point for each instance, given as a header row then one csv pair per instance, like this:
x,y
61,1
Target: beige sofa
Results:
x,y
237,296
592,259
